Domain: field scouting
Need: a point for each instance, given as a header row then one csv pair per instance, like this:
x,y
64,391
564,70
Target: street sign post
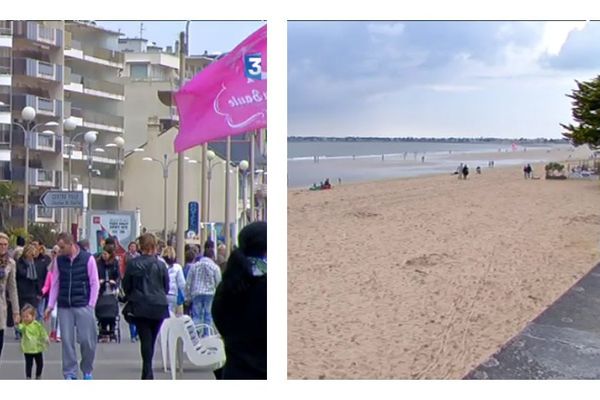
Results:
x,y
62,199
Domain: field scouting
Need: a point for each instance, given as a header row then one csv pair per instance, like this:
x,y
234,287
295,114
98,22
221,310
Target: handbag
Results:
x,y
128,312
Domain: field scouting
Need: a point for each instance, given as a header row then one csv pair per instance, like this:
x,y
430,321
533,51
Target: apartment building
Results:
x,y
32,59
62,69
95,100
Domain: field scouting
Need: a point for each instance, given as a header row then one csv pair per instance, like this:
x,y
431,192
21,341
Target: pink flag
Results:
x,y
227,98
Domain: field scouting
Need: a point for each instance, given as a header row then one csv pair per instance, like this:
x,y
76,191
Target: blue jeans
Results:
x,y
40,309
201,306
132,331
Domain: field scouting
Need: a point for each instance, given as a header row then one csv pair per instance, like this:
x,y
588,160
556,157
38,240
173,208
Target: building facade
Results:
x,y
62,69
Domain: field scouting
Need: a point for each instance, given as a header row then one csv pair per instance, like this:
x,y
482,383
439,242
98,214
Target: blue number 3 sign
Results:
x,y
253,66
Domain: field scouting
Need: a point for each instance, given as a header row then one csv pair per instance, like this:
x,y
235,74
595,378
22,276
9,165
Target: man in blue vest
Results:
x,y
75,288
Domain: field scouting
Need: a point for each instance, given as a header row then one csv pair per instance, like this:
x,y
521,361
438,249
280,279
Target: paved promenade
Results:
x,y
113,361
561,343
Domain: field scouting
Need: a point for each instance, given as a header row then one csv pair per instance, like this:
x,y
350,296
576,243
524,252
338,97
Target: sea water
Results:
x,y
313,162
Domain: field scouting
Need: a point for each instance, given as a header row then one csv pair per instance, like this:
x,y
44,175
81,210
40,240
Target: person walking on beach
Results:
x,y
527,170
74,291
34,341
459,171
240,306
465,172
8,287
146,284
478,170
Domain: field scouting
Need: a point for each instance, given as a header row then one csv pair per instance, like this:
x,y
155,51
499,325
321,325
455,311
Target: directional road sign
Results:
x,y
62,199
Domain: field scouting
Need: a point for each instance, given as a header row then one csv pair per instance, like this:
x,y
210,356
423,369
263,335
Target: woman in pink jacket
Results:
x,y
54,327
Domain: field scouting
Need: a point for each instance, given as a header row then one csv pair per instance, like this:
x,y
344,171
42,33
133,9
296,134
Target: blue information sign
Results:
x,y
193,217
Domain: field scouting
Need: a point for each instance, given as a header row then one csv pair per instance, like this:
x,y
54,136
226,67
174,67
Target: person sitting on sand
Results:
x,y
326,185
465,171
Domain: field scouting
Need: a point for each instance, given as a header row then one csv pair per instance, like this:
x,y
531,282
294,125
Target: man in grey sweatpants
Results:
x,y
75,289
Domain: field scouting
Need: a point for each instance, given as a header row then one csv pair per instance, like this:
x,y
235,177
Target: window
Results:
x,y
5,60
44,175
4,134
45,104
45,69
45,213
45,141
46,33
138,71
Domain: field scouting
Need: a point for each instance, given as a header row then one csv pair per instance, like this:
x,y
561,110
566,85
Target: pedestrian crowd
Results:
x,y
70,296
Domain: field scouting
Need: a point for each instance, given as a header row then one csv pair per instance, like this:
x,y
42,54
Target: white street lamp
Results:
x,y
210,156
243,166
28,115
164,163
69,124
119,142
90,138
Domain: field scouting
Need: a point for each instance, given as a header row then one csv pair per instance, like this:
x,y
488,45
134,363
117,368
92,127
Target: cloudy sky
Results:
x,y
436,79
211,36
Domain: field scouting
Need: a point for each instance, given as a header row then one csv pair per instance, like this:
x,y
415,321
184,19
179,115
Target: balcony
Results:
x,y
37,69
46,142
95,54
94,87
4,136
5,34
4,65
38,33
96,120
42,106
5,28
38,213
38,177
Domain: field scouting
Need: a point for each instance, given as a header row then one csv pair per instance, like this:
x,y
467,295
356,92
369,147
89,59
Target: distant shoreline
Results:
x,y
352,139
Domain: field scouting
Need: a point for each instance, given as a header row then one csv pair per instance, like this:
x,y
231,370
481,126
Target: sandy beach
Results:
x,y
424,278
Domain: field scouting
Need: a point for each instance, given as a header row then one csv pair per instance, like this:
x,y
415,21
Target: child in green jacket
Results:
x,y
34,341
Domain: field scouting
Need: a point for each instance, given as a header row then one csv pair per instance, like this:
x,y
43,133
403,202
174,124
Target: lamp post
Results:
x,y
118,143
71,146
164,163
28,115
244,168
69,125
90,138
210,156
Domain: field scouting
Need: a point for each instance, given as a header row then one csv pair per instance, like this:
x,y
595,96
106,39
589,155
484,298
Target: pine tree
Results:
x,y
586,113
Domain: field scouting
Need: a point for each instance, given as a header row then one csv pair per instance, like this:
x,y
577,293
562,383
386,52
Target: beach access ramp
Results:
x,y
563,342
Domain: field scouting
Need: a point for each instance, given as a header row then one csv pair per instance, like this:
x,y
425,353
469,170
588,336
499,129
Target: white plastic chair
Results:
x,y
164,338
206,352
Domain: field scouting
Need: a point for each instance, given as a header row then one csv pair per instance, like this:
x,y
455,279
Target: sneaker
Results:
x,y
87,377
39,378
70,378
